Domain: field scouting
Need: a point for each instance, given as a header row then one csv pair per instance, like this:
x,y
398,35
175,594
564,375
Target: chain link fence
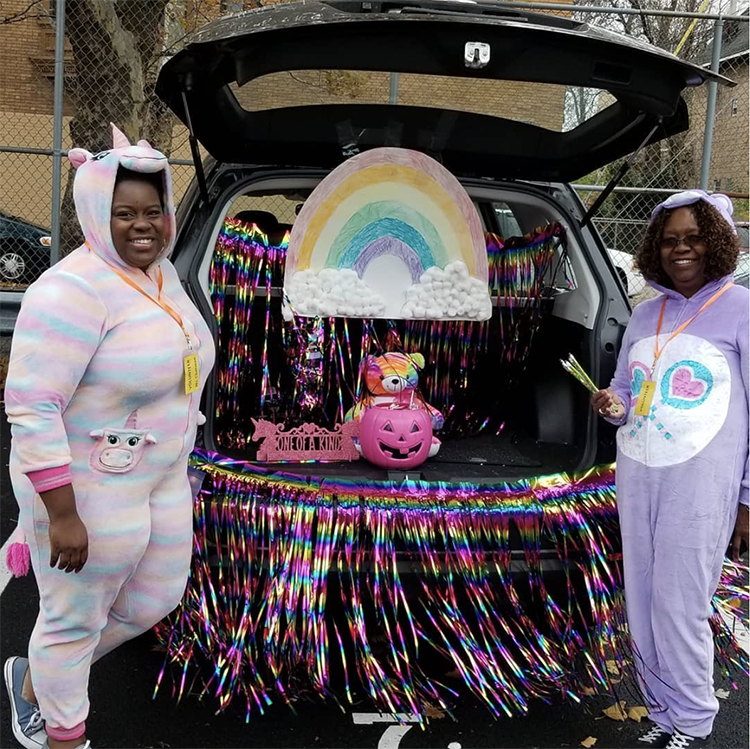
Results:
x,y
113,50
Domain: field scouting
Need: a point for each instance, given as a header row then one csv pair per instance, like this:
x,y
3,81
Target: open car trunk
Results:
x,y
510,409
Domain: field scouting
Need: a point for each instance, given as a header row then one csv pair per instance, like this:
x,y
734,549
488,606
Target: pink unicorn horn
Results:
x,y
119,139
132,422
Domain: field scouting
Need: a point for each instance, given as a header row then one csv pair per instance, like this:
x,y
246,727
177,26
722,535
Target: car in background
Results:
x,y
631,279
24,250
742,274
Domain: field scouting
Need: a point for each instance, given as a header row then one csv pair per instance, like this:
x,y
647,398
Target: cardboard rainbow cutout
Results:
x,y
389,233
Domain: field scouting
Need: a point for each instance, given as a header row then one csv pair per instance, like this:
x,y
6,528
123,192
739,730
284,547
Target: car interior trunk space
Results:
x,y
510,410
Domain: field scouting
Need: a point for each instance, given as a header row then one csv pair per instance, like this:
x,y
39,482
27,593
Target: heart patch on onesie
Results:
x,y
686,384
639,373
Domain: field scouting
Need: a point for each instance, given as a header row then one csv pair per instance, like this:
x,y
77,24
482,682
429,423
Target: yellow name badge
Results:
x,y
643,404
192,373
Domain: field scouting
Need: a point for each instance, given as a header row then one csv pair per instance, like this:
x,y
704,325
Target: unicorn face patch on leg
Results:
x,y
120,450
693,384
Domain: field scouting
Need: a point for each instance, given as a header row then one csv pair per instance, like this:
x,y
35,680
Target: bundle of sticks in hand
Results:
x,y
571,365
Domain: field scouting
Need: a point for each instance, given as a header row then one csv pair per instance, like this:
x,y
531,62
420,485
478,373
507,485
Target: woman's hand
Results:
x,y
68,538
740,532
607,403
69,543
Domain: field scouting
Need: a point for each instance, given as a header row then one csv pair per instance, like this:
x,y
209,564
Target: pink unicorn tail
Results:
x,y
18,556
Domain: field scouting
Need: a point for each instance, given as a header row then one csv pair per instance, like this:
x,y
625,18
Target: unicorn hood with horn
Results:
x,y
94,188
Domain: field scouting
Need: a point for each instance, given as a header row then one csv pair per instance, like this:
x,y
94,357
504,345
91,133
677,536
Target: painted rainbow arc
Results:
x,y
429,212
389,206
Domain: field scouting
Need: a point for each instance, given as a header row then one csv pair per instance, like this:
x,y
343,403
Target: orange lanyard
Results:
x,y
659,349
158,301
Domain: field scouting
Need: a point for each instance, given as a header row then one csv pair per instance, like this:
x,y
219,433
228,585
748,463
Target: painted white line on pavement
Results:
x,y
392,737
5,573
367,719
738,629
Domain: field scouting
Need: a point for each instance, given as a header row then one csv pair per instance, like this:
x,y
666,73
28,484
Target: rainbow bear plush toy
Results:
x,y
392,380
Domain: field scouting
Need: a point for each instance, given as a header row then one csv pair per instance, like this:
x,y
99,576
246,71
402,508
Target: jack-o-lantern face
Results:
x,y
395,437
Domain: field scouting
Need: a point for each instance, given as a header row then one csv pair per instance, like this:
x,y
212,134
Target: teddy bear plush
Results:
x,y
391,380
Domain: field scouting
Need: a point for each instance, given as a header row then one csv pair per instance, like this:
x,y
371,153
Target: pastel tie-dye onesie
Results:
x,y
95,396
681,473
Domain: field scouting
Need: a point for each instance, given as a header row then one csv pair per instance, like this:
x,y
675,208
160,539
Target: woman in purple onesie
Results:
x,y
682,455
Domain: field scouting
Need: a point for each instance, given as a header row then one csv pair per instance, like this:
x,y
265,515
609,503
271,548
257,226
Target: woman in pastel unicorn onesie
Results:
x,y
682,456
108,362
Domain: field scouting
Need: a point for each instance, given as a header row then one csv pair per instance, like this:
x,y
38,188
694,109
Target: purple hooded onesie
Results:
x,y
681,472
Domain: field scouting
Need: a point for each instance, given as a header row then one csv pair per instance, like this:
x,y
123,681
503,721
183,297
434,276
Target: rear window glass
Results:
x,y
551,106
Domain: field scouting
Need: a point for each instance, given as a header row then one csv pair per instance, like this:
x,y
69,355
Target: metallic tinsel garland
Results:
x,y
257,623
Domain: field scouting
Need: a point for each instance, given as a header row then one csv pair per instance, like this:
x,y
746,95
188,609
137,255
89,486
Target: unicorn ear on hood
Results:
x,y
119,139
145,144
79,156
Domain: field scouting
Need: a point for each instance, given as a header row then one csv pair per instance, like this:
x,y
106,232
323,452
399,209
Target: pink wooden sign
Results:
x,y
305,442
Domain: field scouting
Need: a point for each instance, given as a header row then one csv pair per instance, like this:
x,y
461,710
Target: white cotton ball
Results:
x,y
462,270
418,310
434,313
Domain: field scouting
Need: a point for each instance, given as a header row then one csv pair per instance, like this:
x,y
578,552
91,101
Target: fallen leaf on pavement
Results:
x,y
613,668
722,694
588,691
637,713
616,711
589,742
433,712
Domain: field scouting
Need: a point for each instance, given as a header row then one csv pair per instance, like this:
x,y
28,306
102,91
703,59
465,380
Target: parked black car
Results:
x,y
24,250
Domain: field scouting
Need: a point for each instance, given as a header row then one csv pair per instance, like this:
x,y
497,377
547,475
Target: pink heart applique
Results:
x,y
684,386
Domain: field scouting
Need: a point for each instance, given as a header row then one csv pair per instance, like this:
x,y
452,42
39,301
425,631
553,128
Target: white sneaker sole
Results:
x,y
20,736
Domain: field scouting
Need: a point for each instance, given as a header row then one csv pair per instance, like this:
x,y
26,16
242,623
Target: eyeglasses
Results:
x,y
672,243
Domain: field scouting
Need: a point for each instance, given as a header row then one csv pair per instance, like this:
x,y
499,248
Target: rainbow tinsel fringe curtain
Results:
x,y
311,585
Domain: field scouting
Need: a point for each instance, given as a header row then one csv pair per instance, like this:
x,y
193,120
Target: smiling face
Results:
x,y
683,252
138,224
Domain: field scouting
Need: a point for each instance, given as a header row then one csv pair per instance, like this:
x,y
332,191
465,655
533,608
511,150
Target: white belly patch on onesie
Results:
x,y
693,386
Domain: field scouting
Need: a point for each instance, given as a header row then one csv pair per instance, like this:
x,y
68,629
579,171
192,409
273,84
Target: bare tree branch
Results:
x,y
40,10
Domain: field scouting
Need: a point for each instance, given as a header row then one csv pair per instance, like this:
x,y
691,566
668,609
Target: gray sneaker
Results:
x,y
26,719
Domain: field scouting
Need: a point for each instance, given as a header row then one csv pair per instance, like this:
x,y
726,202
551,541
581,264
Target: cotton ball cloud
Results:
x,y
448,293
333,292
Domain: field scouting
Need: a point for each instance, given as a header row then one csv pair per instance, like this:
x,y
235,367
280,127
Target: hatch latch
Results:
x,y
476,55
